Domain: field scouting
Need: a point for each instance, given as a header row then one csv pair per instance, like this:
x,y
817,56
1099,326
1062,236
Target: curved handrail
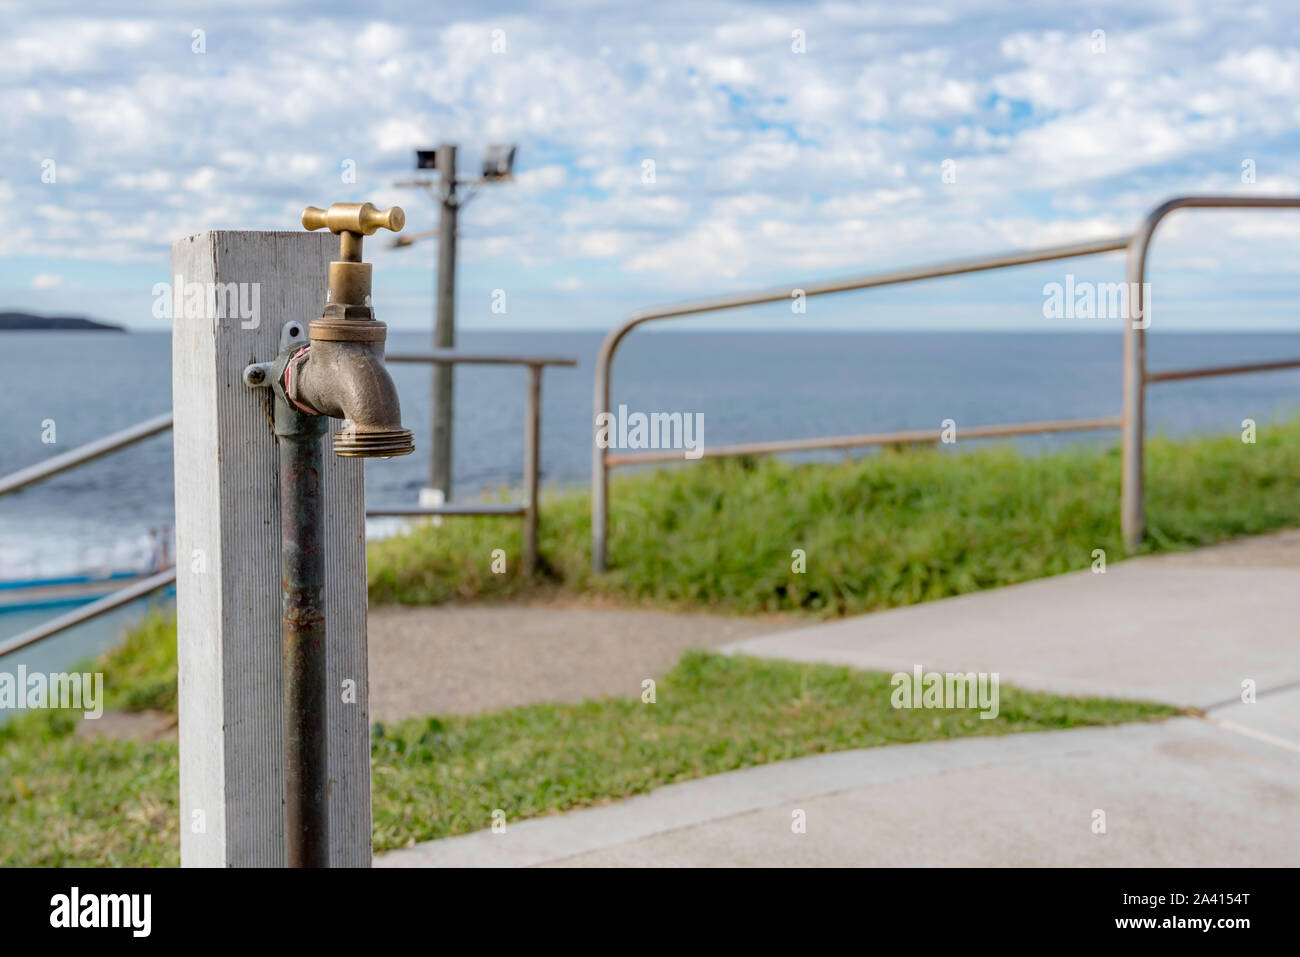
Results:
x,y
1134,376
1132,486
1142,236
605,358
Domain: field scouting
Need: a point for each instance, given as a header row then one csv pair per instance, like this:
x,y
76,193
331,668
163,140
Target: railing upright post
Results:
x,y
532,456
1133,441
599,468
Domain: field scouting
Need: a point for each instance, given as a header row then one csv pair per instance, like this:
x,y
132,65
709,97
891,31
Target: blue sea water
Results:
x,y
748,386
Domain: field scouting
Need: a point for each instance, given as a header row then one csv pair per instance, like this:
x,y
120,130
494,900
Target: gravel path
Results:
x,y
462,659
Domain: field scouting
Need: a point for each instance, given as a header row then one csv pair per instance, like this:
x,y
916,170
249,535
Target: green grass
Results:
x,y
438,777
65,802
143,667
890,529
68,801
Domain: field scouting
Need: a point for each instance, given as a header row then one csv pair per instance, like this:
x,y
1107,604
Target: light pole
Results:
x,y
498,165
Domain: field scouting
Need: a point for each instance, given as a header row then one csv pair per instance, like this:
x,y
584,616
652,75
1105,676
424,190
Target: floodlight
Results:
x,y
498,161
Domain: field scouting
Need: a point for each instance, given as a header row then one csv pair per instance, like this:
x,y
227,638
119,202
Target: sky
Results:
x,y
666,151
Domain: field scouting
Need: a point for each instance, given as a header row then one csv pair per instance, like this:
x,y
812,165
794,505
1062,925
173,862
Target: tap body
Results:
x,y
347,379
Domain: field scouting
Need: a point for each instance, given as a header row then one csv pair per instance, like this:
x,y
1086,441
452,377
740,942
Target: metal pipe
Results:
x,y
908,436
444,328
452,357
532,454
302,557
124,596
1133,481
604,361
418,511
84,453
1176,375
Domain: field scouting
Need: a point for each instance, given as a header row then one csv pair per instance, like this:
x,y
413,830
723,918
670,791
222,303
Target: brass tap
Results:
x,y
341,373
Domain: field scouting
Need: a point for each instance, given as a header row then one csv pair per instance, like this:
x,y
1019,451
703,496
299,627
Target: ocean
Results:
x,y
748,386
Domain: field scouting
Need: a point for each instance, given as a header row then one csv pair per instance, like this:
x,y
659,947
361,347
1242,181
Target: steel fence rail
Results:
x,y
123,596
1177,375
906,436
452,357
85,453
1135,377
528,510
416,511
601,461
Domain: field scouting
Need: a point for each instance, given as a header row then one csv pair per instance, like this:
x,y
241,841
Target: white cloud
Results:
x,y
201,179
380,40
603,243
46,280
768,163
714,248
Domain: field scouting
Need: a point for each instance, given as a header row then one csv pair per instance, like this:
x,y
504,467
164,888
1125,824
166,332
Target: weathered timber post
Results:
x,y
234,294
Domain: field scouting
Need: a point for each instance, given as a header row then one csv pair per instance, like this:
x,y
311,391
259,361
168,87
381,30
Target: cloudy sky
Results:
x,y
788,143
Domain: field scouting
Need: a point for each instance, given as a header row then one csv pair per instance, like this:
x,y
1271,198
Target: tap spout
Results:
x,y
347,379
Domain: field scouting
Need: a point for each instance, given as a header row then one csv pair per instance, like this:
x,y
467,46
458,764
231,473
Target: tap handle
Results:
x,y
360,218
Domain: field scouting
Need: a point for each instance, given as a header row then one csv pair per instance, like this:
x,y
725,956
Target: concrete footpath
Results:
x,y
1221,788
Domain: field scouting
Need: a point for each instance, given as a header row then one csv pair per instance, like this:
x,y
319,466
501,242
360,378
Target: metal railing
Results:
x,y
1130,421
61,463
123,596
1136,377
85,453
528,509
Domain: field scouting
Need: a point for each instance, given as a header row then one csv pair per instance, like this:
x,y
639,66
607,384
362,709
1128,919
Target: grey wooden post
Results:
x,y
228,558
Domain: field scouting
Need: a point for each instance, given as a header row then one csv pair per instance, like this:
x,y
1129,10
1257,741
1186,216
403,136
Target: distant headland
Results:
x,y
22,321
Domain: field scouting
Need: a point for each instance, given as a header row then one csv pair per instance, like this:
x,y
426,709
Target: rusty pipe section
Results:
x,y
341,372
305,695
